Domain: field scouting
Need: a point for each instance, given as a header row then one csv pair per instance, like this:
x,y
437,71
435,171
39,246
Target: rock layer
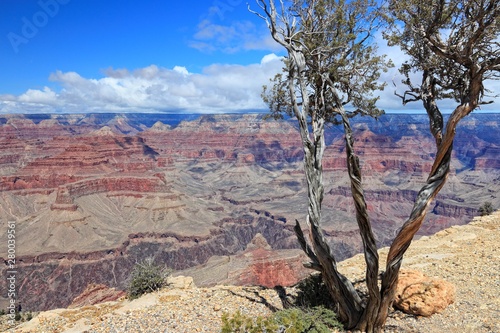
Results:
x,y
93,194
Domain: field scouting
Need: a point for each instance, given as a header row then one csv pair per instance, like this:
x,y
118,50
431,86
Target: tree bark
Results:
x,y
435,182
340,288
368,317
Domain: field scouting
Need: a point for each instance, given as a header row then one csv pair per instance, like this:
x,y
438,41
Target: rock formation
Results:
x,y
96,294
93,194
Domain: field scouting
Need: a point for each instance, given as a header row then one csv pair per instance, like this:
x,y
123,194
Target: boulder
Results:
x,y
421,295
180,282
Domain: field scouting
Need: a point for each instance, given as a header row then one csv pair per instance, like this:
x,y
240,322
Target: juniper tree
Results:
x,y
331,71
454,45
330,74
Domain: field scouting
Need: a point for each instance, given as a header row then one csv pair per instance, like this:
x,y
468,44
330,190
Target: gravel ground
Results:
x,y
188,310
468,256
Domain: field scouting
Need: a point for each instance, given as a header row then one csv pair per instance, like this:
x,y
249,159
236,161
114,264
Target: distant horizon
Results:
x,y
409,112
153,56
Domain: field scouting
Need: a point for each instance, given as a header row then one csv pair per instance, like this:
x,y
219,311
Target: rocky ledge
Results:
x,y
466,256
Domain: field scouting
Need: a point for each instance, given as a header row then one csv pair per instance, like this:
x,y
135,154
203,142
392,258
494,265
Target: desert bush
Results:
x,y
312,292
146,277
486,209
239,323
312,320
294,320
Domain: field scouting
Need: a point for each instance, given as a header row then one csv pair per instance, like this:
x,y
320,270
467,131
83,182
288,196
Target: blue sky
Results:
x,y
137,56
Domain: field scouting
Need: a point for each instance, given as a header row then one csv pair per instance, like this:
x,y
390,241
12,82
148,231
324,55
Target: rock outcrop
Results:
x,y
269,268
180,282
96,294
420,295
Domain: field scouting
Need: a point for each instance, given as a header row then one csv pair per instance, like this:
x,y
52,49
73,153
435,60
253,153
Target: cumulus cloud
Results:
x,y
218,88
45,96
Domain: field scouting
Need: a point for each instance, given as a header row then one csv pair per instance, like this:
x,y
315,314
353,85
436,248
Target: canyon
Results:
x,y
211,196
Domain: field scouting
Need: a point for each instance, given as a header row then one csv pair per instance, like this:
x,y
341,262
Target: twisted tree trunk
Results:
x,y
322,259
434,183
368,316
372,316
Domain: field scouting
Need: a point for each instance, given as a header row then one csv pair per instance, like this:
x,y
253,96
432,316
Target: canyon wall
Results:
x,y
92,195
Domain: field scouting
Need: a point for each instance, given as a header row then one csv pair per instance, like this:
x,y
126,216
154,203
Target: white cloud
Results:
x,y
270,58
181,69
45,96
219,88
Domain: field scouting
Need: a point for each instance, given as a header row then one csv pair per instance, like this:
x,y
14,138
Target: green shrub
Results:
x,y
312,320
146,277
486,209
293,320
312,292
239,323
2,312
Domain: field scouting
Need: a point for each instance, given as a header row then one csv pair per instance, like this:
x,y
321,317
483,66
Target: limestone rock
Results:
x,y
421,295
181,282
95,294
